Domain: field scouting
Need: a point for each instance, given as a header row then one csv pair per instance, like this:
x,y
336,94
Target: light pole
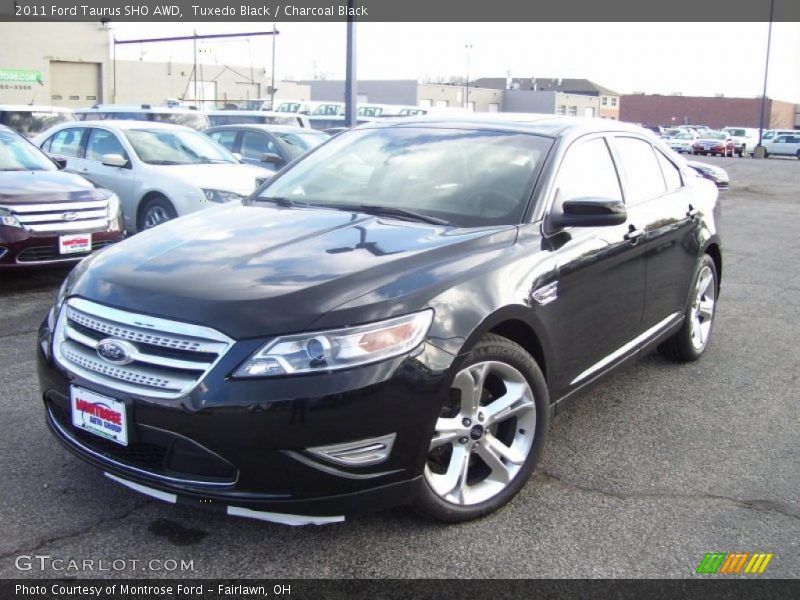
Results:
x,y
764,94
466,88
272,86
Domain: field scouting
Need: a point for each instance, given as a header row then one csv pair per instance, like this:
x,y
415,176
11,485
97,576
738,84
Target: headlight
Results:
x,y
8,219
338,348
221,196
113,208
60,297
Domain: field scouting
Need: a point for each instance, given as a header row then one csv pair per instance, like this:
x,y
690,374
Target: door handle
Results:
x,y
634,235
692,213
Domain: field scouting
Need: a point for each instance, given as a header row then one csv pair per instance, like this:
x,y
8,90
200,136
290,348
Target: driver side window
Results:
x,y
587,171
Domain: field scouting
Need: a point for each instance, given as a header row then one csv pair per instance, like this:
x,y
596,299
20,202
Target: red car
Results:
x,y
714,143
48,216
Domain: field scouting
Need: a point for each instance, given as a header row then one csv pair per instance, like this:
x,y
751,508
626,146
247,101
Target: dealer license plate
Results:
x,y
100,415
75,243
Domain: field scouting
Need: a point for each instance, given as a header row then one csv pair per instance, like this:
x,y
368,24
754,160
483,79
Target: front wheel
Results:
x,y
691,340
156,211
489,434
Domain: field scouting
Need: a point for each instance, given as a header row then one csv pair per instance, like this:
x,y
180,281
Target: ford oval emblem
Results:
x,y
69,216
117,352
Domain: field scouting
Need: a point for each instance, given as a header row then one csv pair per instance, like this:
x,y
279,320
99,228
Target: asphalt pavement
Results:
x,y
641,478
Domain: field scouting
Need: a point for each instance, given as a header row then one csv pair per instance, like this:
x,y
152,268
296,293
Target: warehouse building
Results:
x,y
717,111
70,65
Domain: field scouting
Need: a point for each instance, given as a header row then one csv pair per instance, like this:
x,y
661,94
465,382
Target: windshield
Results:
x,y
326,109
17,154
736,132
715,135
30,123
297,144
234,118
166,147
292,107
684,135
468,178
194,120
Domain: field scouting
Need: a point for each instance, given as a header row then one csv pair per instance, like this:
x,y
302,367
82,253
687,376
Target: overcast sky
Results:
x,y
692,58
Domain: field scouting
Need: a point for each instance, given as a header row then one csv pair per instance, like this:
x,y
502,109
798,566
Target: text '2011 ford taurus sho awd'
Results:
x,y
393,319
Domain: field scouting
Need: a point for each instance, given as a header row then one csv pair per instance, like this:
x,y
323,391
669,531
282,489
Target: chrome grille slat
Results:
x,y
49,216
149,373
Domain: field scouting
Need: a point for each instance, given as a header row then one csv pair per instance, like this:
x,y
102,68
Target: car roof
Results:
x,y
34,108
264,127
138,108
126,124
541,124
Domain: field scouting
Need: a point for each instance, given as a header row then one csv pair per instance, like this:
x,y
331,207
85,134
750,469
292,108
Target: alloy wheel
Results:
x,y
484,436
155,215
703,305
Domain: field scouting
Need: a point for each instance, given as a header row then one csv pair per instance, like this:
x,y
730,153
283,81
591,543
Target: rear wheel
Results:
x,y
489,434
157,210
691,340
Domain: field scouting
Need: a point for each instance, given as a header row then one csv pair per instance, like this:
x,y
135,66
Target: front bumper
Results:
x,y
20,247
244,443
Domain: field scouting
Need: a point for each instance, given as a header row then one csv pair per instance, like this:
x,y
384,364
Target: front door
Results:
x,y
601,271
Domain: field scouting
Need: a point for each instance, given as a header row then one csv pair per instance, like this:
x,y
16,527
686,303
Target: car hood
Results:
x,y
709,141
252,271
239,178
29,187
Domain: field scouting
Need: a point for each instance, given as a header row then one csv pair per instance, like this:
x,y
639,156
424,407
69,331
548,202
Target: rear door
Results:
x,y
656,195
601,271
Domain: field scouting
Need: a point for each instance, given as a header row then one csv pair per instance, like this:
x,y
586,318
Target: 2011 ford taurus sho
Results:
x,y
393,319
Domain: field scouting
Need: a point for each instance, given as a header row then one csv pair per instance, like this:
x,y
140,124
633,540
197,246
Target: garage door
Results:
x,y
74,84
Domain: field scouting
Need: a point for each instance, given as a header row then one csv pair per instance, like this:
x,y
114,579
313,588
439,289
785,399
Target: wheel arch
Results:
x,y
517,324
714,251
146,197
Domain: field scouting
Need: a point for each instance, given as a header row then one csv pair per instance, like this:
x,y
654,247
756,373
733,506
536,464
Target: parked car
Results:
x,y
305,107
31,120
783,145
714,143
716,174
683,141
256,117
270,146
176,115
159,171
394,318
771,133
745,139
48,216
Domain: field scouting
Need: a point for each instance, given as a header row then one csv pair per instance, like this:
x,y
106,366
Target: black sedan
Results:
x,y
394,318
273,146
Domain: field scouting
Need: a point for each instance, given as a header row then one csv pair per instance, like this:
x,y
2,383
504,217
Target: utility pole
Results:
x,y
272,88
766,73
466,88
194,69
350,90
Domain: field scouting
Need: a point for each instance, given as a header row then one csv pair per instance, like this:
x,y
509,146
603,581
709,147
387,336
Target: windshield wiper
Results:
x,y
394,211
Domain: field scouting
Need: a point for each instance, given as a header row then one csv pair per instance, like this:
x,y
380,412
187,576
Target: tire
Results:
x,y
741,151
798,155
499,459
691,341
154,212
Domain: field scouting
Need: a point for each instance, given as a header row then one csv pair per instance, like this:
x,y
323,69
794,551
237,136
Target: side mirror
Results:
x,y
114,160
61,163
272,159
589,212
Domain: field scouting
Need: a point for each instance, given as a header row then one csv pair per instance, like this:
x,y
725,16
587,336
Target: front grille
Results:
x,y
61,217
168,358
51,253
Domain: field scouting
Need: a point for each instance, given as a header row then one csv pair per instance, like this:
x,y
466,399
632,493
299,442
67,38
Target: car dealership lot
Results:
x,y
642,477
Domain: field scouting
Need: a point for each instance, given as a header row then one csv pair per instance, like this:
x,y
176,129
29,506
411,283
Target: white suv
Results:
x,y
159,171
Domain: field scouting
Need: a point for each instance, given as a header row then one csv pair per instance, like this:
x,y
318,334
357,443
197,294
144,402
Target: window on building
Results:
x,y
613,102
561,109
573,111
604,100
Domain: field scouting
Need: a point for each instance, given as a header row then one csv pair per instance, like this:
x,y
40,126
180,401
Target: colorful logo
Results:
x,y
734,563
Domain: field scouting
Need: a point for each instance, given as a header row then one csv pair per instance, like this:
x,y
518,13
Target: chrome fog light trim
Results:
x,y
360,453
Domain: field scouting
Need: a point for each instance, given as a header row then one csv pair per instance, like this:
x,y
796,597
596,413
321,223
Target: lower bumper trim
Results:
x,y
235,511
